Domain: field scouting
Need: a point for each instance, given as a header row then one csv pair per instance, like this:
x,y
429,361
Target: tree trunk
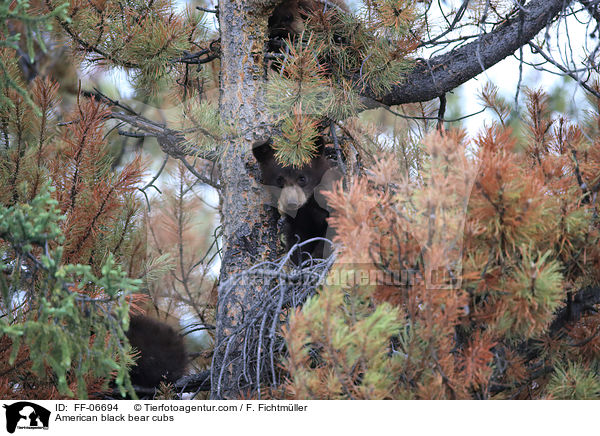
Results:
x,y
248,225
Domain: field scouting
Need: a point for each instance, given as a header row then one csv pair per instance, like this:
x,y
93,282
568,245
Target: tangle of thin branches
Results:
x,y
276,288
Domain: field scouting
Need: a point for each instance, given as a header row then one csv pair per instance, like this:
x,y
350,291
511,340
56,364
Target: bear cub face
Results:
x,y
290,188
297,195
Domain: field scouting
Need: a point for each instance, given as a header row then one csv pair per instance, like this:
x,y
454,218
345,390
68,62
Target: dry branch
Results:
x,y
434,77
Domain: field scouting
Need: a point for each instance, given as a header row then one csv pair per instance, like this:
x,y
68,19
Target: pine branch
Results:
x,y
593,7
440,74
537,49
203,56
90,48
581,301
496,388
105,99
194,383
171,141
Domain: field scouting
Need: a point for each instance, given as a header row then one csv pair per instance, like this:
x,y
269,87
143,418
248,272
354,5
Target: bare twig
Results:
x,y
537,49
275,287
442,73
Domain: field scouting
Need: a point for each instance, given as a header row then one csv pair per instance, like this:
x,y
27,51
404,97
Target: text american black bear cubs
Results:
x,y
297,194
162,352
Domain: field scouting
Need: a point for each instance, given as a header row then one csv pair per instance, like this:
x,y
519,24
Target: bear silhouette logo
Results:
x,y
26,415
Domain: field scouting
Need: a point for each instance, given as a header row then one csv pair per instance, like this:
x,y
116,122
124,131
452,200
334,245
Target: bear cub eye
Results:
x,y
302,181
280,181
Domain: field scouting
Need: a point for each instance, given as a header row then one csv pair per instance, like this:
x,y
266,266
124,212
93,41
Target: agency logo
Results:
x,y
26,415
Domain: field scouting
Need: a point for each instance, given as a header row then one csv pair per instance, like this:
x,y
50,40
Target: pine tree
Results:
x,y
465,268
486,325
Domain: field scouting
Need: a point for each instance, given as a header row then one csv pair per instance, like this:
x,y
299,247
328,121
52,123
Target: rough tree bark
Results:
x,y
248,226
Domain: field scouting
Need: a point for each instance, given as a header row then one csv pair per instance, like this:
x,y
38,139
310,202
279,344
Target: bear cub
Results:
x,y
287,19
162,352
297,194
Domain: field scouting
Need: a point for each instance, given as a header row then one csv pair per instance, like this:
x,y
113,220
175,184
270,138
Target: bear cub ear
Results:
x,y
262,150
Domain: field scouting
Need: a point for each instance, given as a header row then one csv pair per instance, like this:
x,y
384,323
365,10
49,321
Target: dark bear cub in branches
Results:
x,y
162,352
297,194
287,19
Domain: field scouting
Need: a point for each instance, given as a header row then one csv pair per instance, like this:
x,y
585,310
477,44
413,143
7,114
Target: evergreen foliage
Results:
x,y
141,35
466,267
470,262
67,228
326,67
49,308
16,15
